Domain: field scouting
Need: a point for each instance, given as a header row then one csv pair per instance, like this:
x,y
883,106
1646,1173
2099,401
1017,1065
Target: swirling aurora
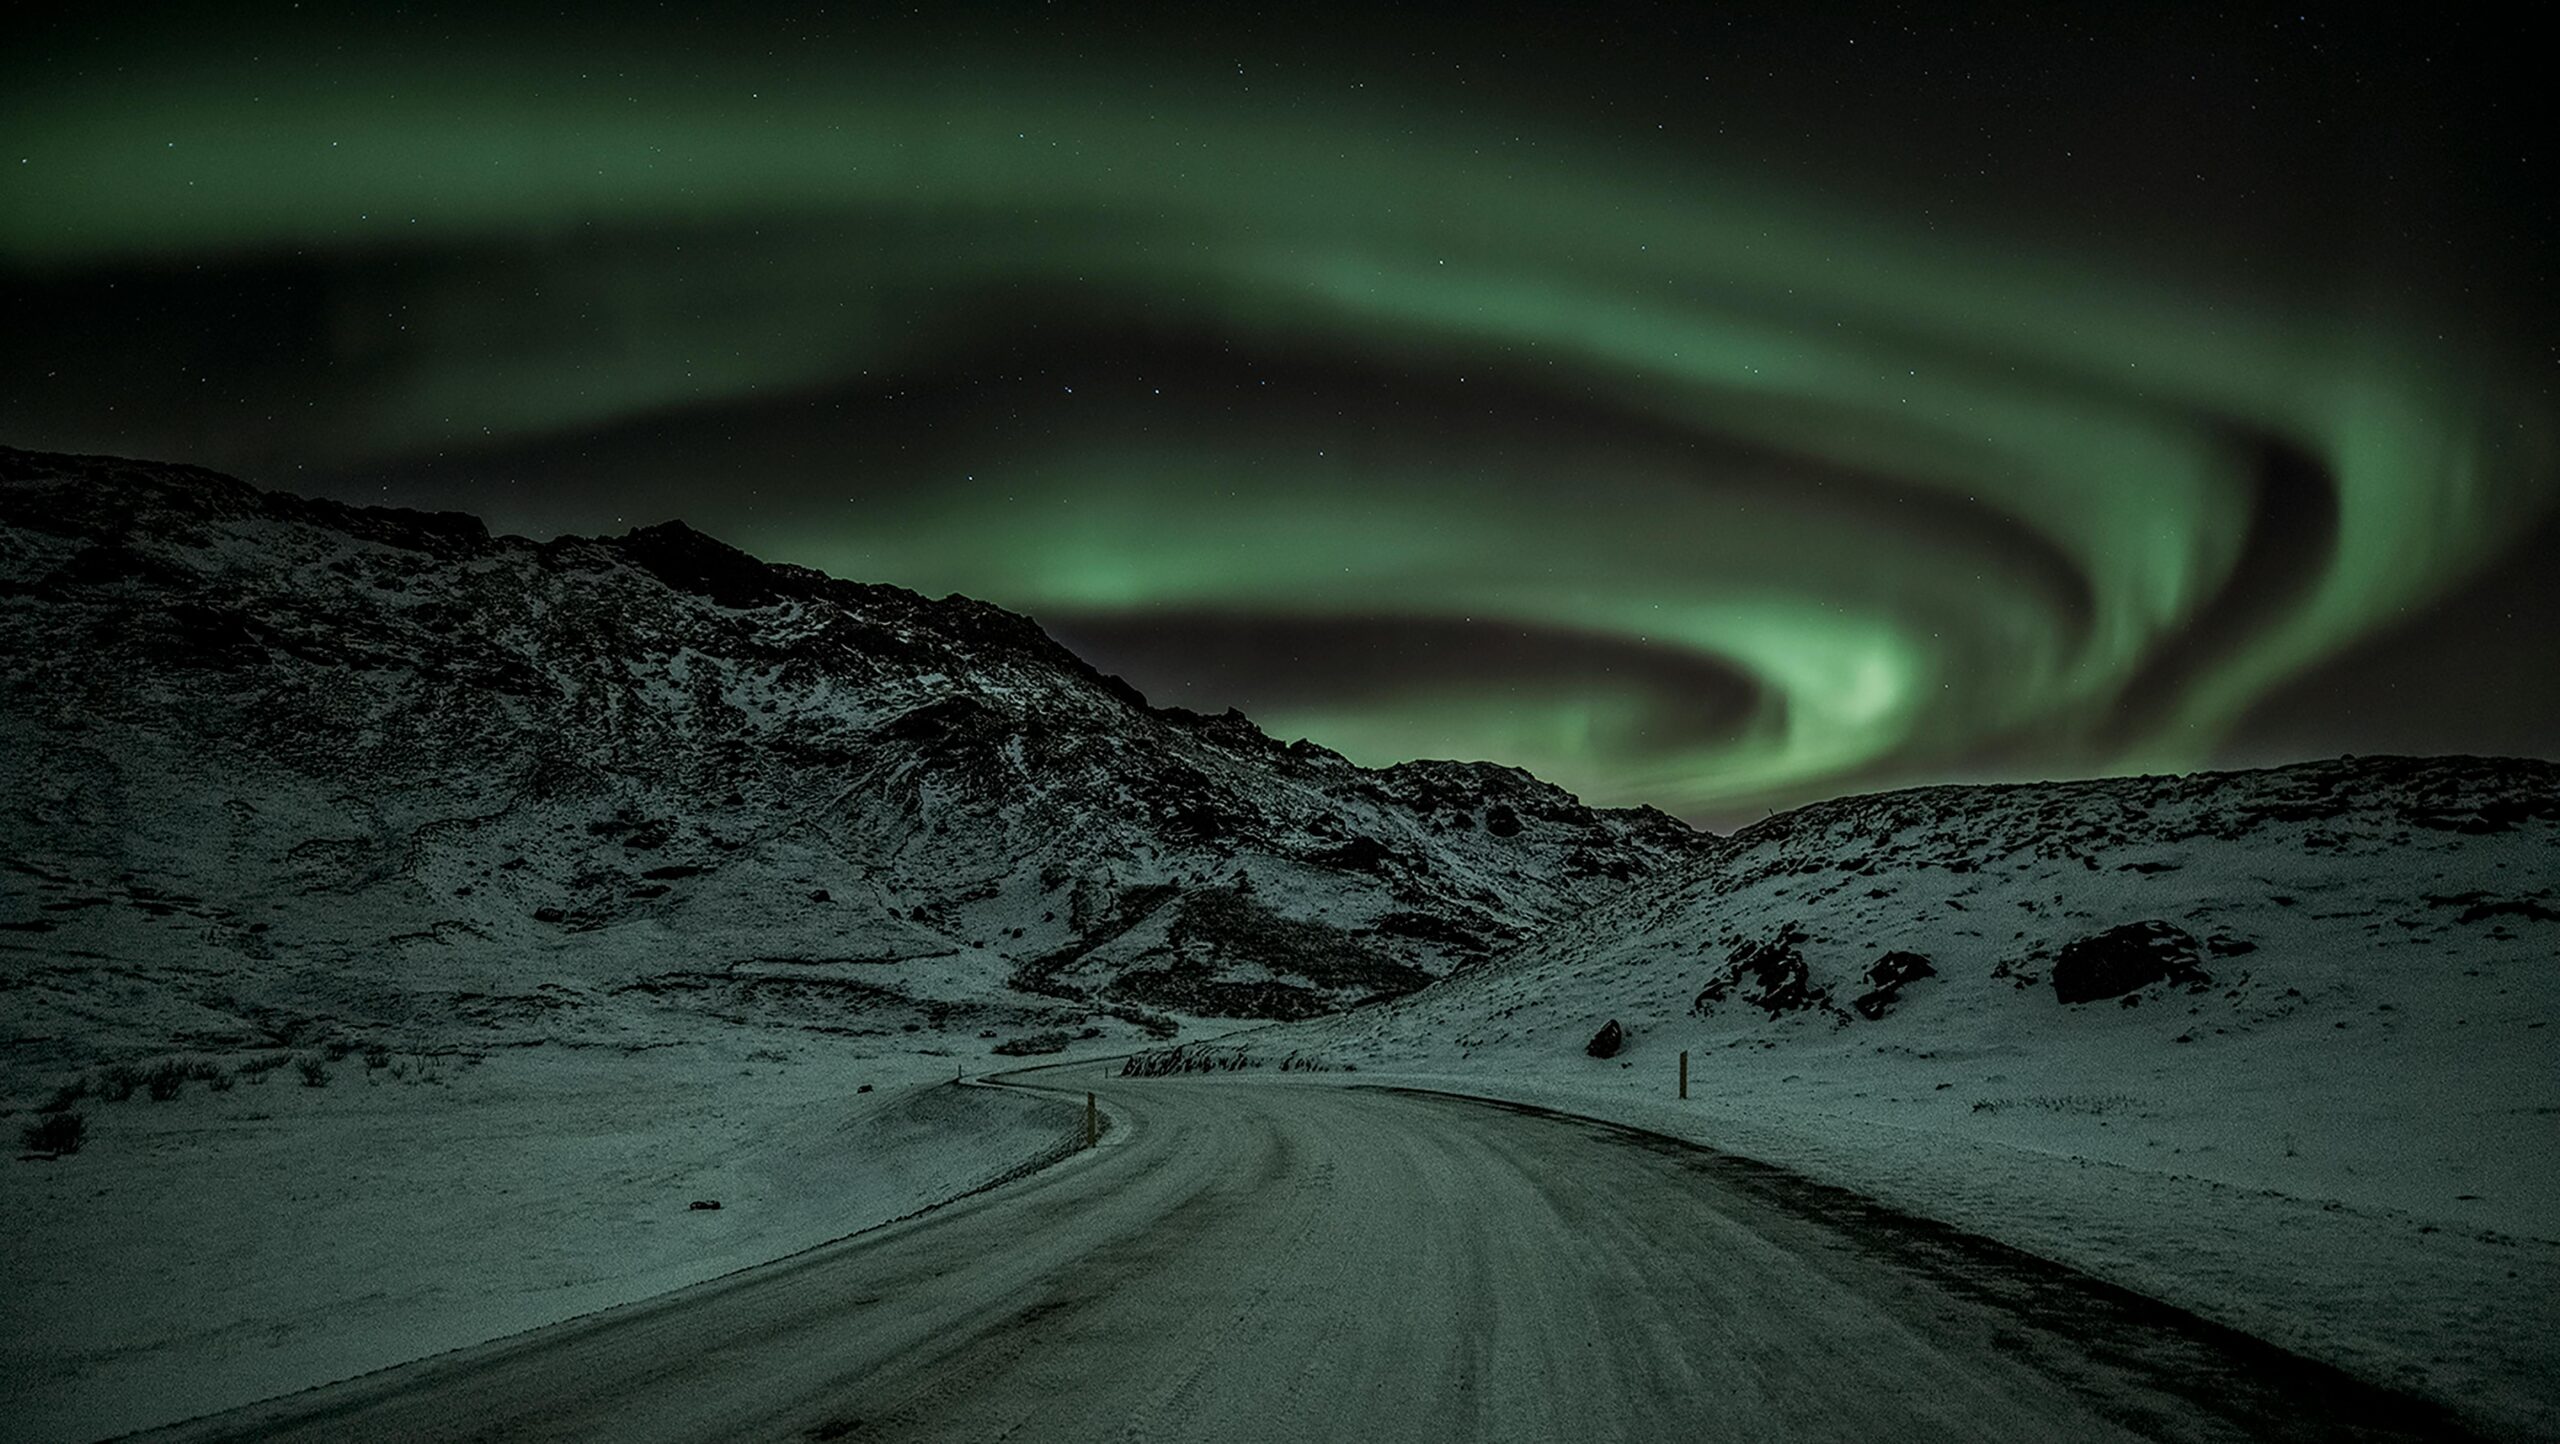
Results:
x,y
1419,424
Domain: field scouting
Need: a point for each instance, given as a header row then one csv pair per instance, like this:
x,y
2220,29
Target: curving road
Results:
x,y
1262,1260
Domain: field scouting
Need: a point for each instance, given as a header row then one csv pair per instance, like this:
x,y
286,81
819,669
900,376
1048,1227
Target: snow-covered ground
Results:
x,y
2347,1141
684,849
222,1246
2434,1302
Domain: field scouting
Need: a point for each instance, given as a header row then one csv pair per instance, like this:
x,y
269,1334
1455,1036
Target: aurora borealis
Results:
x,y
1696,407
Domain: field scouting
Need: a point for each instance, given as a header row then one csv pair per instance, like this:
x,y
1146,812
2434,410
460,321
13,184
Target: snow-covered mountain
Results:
x,y
272,766
2189,911
279,774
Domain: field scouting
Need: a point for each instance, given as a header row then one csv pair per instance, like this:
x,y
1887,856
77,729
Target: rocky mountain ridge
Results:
x,y
2116,890
278,764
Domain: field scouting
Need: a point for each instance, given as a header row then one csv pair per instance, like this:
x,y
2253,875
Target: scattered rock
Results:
x,y
1885,982
702,1204
1606,1042
2517,907
2123,959
1771,975
1360,854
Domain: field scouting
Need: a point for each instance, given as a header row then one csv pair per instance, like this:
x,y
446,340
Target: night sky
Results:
x,y
1705,406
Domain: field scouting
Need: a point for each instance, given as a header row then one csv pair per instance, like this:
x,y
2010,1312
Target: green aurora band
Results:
x,y
1886,415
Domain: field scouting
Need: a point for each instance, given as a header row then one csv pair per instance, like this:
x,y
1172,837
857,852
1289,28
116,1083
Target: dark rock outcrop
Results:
x,y
2126,959
1606,1042
1885,982
1769,974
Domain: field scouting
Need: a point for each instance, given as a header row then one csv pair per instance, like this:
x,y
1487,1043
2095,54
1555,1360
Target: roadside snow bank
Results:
x,y
2465,1314
2277,1047
219,1248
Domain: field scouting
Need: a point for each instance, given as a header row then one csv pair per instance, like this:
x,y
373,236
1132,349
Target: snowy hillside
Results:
x,y
276,767
2275,1045
420,923
464,900
2194,911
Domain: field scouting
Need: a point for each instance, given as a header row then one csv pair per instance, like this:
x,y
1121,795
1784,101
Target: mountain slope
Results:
x,y
275,767
2394,897
2276,1046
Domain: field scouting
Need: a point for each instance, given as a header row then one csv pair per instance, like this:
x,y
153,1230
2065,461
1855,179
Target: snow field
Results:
x,y
218,1248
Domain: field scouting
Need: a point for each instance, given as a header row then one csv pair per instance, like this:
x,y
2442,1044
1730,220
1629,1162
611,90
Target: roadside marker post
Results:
x,y
1684,1072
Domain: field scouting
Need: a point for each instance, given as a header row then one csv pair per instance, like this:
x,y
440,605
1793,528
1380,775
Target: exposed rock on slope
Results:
x,y
270,763
2125,960
2342,1142
2243,898
1886,980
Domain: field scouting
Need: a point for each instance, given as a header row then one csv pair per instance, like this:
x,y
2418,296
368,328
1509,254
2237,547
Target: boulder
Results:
x,y
1606,1042
2124,959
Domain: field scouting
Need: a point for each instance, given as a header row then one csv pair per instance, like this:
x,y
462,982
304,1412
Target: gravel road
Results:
x,y
1264,1260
